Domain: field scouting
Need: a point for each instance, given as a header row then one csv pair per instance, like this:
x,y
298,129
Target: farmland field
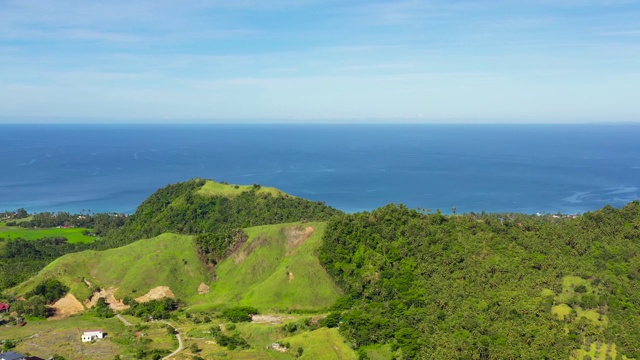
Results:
x,y
73,235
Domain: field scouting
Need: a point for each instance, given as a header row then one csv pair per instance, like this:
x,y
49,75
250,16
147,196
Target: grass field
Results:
x,y
45,338
212,188
73,235
319,344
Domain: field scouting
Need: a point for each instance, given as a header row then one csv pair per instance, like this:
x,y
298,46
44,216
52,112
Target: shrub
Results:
x,y
239,313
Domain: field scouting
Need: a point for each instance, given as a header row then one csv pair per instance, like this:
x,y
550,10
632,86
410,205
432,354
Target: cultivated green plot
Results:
x,y
576,290
73,235
598,351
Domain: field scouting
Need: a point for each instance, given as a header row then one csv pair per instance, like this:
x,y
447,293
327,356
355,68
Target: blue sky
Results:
x,y
315,61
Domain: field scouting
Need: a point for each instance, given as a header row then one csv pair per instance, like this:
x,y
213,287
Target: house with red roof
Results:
x,y
4,307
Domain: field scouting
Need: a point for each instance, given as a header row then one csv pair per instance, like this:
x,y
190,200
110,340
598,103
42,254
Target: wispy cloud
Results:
x,y
317,57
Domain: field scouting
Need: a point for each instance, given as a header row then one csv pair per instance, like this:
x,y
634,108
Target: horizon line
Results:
x,y
268,121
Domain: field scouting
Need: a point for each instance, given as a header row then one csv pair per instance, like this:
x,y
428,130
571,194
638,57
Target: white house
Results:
x,y
92,335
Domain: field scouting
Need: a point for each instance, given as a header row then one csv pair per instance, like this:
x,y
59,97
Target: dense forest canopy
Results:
x,y
487,286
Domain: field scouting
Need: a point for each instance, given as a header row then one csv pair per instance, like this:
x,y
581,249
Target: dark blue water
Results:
x,y
524,168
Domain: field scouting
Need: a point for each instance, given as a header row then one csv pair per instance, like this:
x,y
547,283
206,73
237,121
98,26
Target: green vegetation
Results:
x,y
50,289
35,302
197,207
491,286
167,260
391,283
154,309
276,269
323,343
21,259
102,309
202,206
232,342
212,188
62,337
239,313
73,235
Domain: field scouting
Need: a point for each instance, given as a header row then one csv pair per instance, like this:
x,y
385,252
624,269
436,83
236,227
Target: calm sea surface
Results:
x,y
523,168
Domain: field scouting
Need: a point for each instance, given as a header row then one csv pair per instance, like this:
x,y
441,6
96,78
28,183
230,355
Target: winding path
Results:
x,y
180,347
124,321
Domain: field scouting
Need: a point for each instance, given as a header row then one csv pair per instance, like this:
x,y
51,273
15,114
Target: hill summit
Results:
x,y
201,206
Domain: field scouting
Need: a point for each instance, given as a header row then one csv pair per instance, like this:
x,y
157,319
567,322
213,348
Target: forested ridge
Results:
x,y
488,286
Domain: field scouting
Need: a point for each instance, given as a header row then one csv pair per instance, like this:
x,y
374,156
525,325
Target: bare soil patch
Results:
x,y
296,236
239,256
156,293
66,306
203,288
109,297
270,319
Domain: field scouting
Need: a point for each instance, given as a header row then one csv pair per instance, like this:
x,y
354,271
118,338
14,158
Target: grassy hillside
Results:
x,y
167,260
276,269
73,235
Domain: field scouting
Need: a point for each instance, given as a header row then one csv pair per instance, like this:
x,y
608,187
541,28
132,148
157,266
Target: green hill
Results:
x,y
203,206
276,268
167,260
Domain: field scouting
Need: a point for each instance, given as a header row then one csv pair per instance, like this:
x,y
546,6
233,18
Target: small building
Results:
x,y
4,307
11,355
92,335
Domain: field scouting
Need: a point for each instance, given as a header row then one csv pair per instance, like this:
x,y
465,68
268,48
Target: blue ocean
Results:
x,y
496,168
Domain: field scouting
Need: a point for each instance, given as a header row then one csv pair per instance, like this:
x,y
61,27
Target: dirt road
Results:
x,y
180,347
